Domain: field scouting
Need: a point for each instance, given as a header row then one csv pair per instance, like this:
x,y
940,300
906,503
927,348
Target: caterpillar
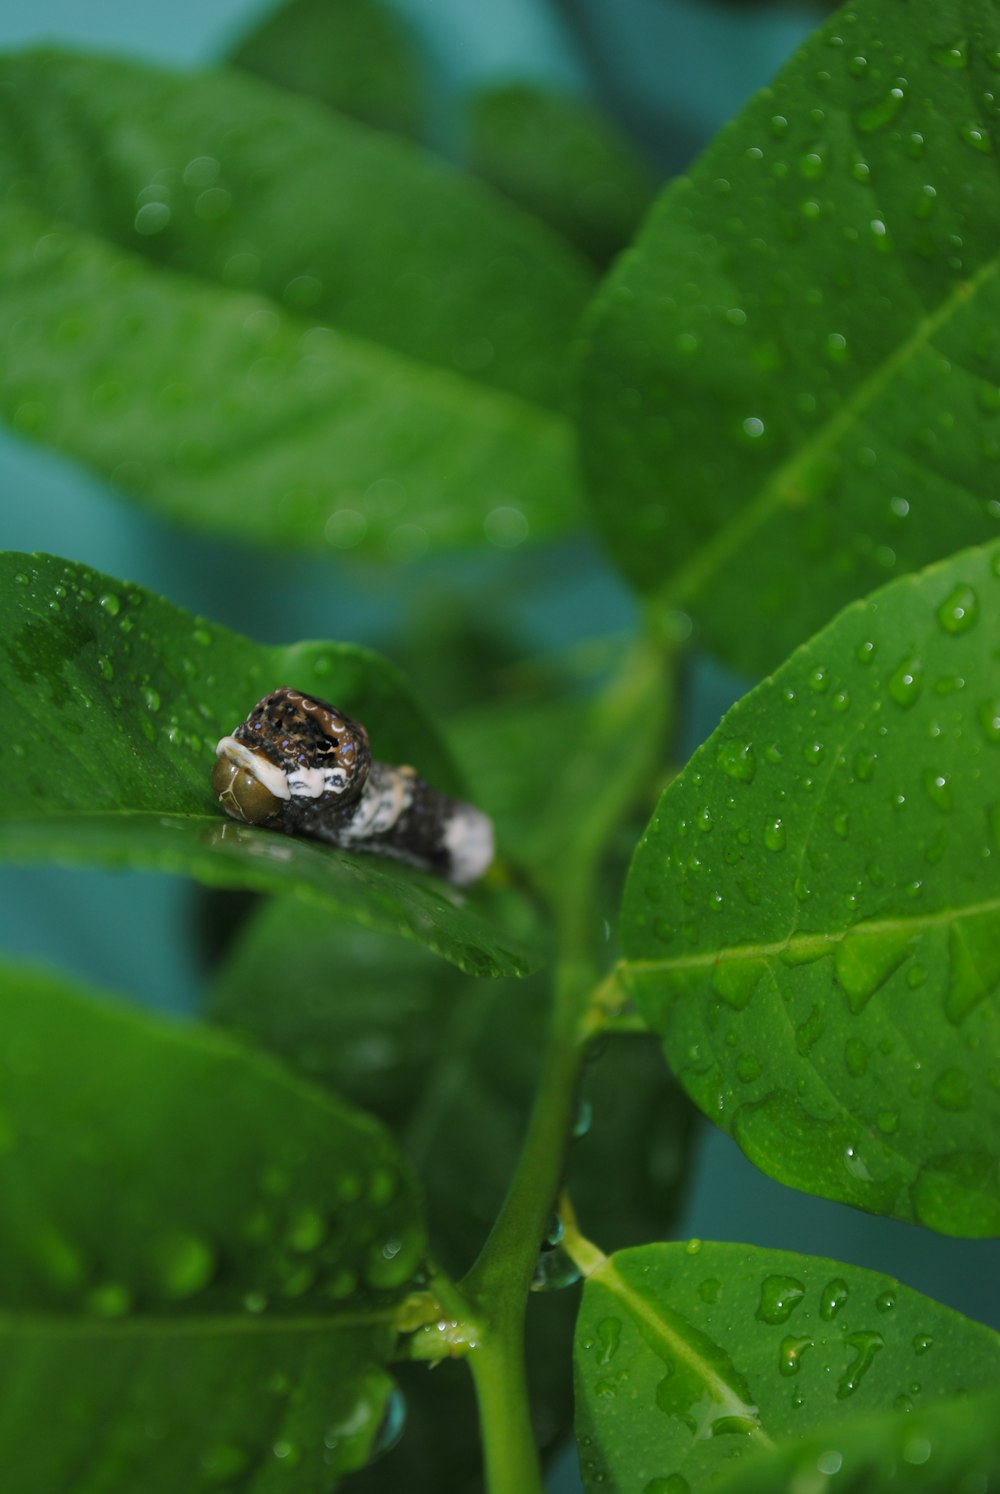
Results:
x,y
300,766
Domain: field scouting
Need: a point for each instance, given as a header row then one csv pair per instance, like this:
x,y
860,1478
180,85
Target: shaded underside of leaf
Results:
x,y
354,56
221,176
812,919
119,698
226,414
790,385
688,1358
175,1311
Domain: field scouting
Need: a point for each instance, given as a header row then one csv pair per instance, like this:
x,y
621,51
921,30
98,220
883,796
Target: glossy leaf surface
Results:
x,y
557,156
267,321
119,698
451,1068
354,56
689,1357
790,384
226,414
949,1446
177,1314
812,919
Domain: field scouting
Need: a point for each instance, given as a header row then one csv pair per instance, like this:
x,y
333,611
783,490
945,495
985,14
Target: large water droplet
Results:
x,y
183,1264
976,135
882,111
609,1332
954,55
790,1354
866,1346
906,683
736,759
959,611
865,958
774,834
832,1299
779,1297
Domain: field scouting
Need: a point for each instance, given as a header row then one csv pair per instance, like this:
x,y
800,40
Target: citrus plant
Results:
x,y
259,307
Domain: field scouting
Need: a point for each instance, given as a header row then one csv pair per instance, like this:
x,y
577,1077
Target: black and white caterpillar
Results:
x,y
298,765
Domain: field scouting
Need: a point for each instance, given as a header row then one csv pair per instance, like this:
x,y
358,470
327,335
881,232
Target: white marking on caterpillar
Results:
x,y
269,774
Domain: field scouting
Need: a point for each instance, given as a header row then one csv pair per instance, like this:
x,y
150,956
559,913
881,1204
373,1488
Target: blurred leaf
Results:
x,y
564,161
452,1070
221,414
945,1448
388,394
229,180
353,55
176,1313
812,919
119,698
729,1350
791,384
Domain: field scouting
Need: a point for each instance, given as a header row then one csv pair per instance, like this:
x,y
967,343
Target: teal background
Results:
x,y
674,70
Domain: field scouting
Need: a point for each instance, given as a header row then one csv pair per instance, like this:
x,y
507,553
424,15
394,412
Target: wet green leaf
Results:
x,y
560,158
179,1315
791,386
266,321
118,700
947,1447
812,919
451,1068
689,1357
354,56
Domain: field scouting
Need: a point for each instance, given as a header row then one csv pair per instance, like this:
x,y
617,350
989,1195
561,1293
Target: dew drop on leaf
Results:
x,y
779,1297
959,611
906,683
866,1345
832,1299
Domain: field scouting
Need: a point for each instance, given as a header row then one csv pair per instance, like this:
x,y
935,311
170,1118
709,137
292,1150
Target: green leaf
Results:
x,y
953,1445
452,1071
198,1255
791,384
689,1357
223,414
265,321
348,225
354,56
119,698
812,919
560,158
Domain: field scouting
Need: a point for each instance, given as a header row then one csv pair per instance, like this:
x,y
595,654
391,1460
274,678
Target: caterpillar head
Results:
x,y
291,749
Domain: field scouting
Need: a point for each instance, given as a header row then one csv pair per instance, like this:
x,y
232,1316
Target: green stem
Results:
x,y
629,726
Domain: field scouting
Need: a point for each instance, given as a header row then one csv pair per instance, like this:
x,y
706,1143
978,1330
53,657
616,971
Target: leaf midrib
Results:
x,y
809,946
192,1326
677,1347
785,486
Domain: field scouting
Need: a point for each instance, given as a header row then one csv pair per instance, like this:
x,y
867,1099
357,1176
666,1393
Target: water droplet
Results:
x,y
736,980
109,1300
978,136
938,789
582,1120
710,1290
856,1056
952,1090
906,683
832,1299
865,651
306,1230
111,603
152,218
609,1332
223,1462
693,1246
391,1426
953,56
922,1342
882,111
864,960
960,610
183,1264
779,1297
886,1301
866,1346
553,1271
774,834
790,1354
736,759
989,719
